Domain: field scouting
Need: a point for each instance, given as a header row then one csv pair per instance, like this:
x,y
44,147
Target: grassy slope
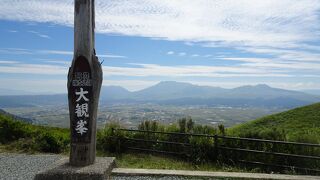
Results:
x,y
19,136
300,124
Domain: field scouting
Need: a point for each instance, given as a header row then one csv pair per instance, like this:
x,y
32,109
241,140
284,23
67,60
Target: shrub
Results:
x,y
53,142
11,130
108,139
202,149
28,137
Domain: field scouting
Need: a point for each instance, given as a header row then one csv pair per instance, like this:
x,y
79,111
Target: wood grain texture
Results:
x,y
83,150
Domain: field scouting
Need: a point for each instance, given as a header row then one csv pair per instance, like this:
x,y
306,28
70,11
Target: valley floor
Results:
x,y
131,115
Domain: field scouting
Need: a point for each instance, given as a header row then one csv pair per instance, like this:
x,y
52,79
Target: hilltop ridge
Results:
x,y
300,124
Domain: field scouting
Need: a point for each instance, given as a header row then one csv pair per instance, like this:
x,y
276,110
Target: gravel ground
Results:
x,y
22,166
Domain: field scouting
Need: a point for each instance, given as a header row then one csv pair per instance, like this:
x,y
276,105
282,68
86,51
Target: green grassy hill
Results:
x,y
301,124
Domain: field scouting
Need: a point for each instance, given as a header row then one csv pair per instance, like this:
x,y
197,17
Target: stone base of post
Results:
x,y
100,170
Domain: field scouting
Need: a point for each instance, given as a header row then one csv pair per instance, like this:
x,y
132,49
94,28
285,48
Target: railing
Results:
x,y
224,150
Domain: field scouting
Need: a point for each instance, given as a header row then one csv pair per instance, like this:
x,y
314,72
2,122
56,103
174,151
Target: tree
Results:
x,y
182,125
221,129
190,125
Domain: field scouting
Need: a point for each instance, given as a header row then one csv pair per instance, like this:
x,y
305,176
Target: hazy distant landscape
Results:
x,y
164,102
130,115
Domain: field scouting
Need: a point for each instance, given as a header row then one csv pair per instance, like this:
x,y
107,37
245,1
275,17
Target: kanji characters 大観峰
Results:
x,y
81,95
81,127
82,110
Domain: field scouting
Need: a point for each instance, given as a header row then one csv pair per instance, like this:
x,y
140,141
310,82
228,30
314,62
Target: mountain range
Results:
x,y
178,93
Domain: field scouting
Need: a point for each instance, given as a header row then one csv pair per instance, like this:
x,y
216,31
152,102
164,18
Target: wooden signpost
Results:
x,y
84,84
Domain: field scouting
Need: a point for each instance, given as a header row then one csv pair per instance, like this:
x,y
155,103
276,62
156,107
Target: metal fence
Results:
x,y
229,149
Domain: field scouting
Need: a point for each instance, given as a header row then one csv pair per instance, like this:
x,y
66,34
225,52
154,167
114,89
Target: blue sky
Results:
x,y
204,42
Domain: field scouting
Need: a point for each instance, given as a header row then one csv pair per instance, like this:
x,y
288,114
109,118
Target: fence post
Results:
x,y
112,131
216,146
118,142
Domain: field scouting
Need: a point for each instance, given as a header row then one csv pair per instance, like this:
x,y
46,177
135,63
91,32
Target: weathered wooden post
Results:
x,y
84,84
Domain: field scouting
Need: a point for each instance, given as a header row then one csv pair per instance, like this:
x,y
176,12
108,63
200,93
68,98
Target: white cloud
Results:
x,y
285,29
292,65
182,54
149,70
40,34
154,70
260,23
34,69
8,62
39,86
110,56
247,59
302,67
15,51
20,51
60,12
58,52
287,53
55,52
59,62
170,52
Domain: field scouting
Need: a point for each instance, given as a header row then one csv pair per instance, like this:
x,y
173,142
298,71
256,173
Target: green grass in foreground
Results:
x,y
148,161
145,161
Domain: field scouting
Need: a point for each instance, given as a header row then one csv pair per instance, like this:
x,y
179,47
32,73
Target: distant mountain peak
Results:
x,y
172,83
258,86
166,82
115,87
262,86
